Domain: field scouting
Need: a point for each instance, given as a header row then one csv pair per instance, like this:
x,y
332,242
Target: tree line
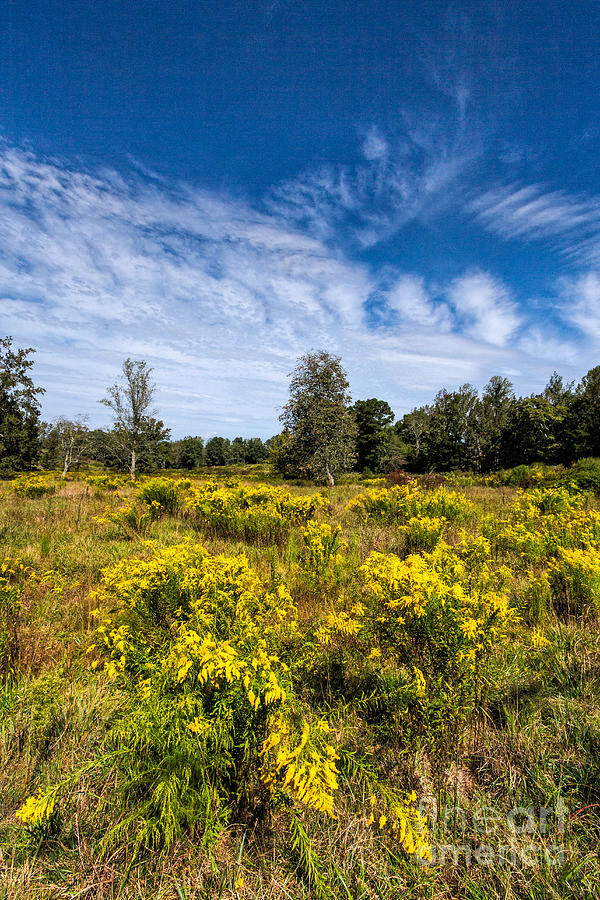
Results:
x,y
460,430
497,429
323,432
137,440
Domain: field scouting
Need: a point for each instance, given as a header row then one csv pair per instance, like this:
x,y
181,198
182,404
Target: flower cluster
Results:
x,y
111,482
260,513
543,520
397,504
402,822
194,642
575,581
306,769
423,532
37,809
32,485
435,617
160,493
323,556
130,518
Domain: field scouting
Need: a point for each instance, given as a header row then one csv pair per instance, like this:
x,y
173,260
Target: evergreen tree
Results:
x,y
373,420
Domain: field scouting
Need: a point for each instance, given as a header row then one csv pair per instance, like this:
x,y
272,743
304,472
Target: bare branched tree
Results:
x,y
131,402
72,440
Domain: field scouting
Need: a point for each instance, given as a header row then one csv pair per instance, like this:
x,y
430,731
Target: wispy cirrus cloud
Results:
x,y
221,297
550,345
413,175
409,296
531,212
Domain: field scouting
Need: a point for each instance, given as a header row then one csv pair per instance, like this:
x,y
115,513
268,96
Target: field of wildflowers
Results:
x,y
221,688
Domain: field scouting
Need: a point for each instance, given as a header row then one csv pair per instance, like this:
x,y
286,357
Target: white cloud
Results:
x,y
375,145
545,345
580,299
221,298
410,298
486,307
570,222
414,176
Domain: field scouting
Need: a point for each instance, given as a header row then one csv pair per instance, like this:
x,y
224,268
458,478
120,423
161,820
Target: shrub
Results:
x,y
536,599
207,725
321,563
423,532
110,482
432,612
264,514
160,493
434,619
399,504
575,582
583,475
541,521
209,722
31,486
129,518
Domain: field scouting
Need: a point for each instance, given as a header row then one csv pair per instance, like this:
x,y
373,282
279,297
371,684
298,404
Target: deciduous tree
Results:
x,y
318,419
136,432
65,442
19,408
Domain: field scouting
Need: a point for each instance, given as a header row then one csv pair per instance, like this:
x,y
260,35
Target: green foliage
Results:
x,y
110,482
584,475
321,430
399,503
130,518
221,451
450,439
263,514
11,577
209,724
19,409
463,431
42,712
137,435
467,670
32,486
575,582
188,453
321,562
159,493
423,532
218,451
536,600
65,443
373,420
429,623
584,415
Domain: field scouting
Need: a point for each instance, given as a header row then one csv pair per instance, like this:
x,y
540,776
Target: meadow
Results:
x,y
226,686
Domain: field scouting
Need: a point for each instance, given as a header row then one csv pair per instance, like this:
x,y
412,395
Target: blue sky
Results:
x,y
218,188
